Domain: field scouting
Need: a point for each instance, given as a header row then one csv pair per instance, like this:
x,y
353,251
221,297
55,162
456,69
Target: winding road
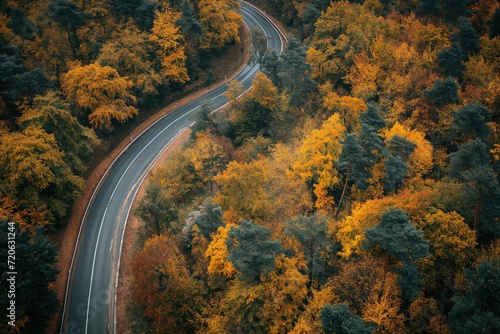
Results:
x,y
89,305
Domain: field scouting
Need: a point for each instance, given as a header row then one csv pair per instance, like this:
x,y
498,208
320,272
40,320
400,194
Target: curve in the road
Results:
x,y
90,296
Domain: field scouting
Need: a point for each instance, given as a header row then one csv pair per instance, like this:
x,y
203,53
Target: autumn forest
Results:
x,y
354,189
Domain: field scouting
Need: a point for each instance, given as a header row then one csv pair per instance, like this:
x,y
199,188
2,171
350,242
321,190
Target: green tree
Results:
x,y
70,17
35,264
157,211
250,250
454,9
429,8
395,172
467,37
51,113
210,220
294,73
401,239
471,165
443,92
451,61
471,121
259,45
338,319
478,310
311,233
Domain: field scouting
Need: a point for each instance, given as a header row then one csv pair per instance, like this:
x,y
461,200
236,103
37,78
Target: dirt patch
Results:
x,y
227,65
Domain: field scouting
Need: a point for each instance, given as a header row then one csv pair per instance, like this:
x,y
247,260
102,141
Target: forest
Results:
x,y
354,189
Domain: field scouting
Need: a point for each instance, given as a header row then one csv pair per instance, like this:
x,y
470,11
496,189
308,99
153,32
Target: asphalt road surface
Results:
x,y
89,305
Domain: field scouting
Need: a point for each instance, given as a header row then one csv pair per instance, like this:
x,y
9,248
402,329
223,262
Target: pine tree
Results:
x,y
443,93
451,61
35,264
250,250
338,319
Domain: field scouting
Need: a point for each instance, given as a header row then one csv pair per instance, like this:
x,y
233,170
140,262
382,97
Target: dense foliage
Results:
x,y
74,73
354,189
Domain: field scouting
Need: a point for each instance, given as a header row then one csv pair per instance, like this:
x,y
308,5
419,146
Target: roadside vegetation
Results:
x,y
354,189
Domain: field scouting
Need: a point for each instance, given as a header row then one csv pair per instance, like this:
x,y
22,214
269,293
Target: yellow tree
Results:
x,y
347,106
420,161
102,93
452,246
264,92
243,190
318,154
171,51
35,175
217,252
221,23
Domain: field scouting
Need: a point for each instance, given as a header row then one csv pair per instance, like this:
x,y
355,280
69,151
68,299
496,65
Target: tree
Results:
x,y
163,285
130,52
35,264
259,44
443,92
52,114
401,239
370,140
234,90
477,310
318,153
33,171
250,250
243,190
454,9
220,21
166,34
157,211
471,165
339,320
102,93
294,73
450,61
395,172
311,233
70,17
467,37
428,8
210,220
471,121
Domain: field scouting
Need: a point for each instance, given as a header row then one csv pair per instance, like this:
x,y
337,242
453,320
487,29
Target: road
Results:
x,y
89,305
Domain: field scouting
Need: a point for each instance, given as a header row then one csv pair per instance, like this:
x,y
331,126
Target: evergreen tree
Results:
x,y
495,24
370,140
471,121
210,220
21,25
443,92
311,233
401,239
401,147
338,319
35,264
270,66
454,9
157,211
471,165
478,310
295,73
250,250
395,172
70,17
451,61
353,163
429,8
467,37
